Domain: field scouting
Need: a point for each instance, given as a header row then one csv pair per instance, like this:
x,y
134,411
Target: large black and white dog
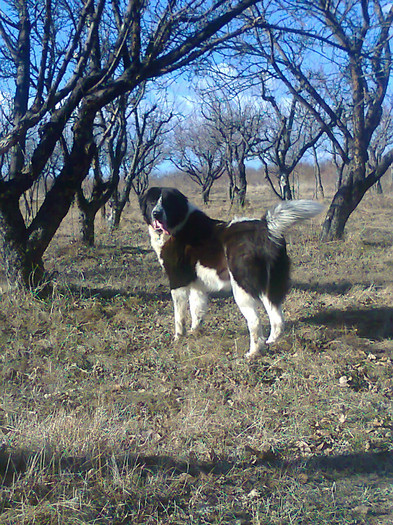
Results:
x,y
202,255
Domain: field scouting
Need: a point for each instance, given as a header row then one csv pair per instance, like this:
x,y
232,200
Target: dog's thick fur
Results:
x,y
202,255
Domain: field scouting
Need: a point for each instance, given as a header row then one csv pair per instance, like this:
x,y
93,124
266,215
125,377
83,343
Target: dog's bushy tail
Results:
x,y
287,213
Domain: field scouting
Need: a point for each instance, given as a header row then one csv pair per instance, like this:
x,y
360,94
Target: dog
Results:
x,y
201,255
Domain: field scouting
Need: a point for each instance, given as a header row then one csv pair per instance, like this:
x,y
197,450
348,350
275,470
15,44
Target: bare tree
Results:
x,y
381,142
346,45
99,188
67,60
319,191
238,122
290,133
199,152
146,126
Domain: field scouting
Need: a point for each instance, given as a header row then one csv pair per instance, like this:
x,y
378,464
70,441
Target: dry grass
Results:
x,y
104,420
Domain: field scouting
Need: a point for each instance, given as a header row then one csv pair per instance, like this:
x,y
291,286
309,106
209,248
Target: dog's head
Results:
x,y
164,209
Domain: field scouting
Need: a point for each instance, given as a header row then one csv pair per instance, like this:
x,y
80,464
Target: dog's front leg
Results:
x,y
180,301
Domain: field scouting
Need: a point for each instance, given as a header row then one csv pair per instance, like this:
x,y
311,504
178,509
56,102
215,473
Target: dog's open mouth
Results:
x,y
159,227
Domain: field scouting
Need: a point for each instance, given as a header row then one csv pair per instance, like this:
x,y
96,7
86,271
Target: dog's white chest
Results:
x,y
157,240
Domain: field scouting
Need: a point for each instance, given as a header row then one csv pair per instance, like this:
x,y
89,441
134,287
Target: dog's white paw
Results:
x,y
254,354
252,357
197,331
273,337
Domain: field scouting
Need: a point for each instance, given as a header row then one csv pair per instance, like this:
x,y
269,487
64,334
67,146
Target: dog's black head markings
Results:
x,y
164,209
202,255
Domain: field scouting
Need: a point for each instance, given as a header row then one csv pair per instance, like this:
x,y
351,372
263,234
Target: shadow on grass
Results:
x,y
128,250
372,323
95,251
377,463
15,464
161,293
330,288
380,463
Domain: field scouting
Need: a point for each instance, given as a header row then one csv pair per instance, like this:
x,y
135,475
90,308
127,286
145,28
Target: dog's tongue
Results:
x,y
157,225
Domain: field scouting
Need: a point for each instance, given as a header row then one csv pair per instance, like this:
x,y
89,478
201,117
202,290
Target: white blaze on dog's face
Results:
x,y
159,219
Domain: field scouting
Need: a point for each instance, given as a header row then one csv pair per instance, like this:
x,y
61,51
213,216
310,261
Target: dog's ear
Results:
x,y
143,204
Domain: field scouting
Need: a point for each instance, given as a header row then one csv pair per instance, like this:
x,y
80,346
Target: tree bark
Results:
x,y
118,203
343,204
22,268
285,186
206,193
86,221
116,216
240,196
89,206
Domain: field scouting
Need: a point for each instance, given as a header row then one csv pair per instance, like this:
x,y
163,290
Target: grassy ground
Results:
x,y
105,420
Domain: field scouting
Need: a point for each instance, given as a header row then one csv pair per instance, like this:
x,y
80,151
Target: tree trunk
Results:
x,y
231,191
240,189
116,216
343,204
378,187
231,188
88,208
86,222
22,267
118,206
206,192
285,187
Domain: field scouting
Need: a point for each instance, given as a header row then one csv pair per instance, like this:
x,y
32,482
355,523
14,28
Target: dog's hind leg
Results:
x,y
198,306
276,318
180,300
248,306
